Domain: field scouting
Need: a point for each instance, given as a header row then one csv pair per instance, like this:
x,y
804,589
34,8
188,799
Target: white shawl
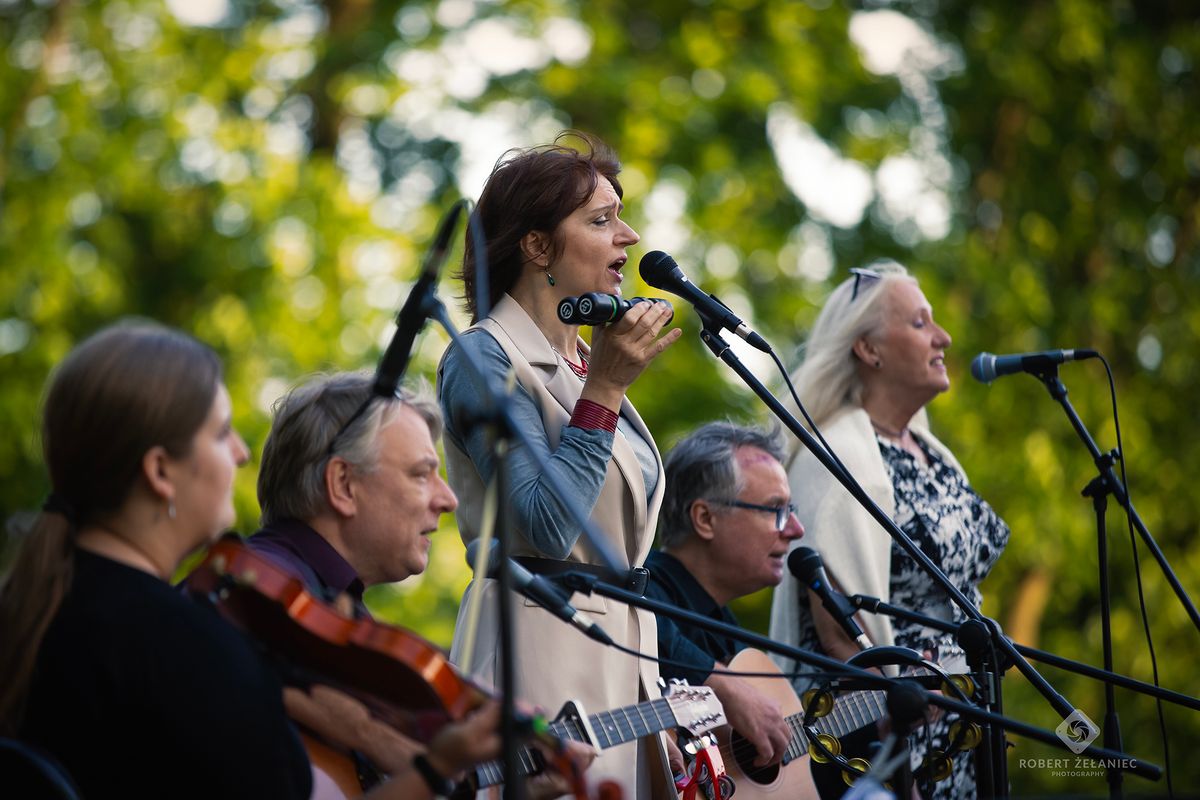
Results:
x,y
855,548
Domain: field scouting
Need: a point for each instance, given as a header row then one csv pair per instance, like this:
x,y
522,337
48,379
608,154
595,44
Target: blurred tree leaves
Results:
x,y
269,183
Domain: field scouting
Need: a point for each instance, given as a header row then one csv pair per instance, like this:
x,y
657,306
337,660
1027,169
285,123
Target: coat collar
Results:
x,y
524,332
565,387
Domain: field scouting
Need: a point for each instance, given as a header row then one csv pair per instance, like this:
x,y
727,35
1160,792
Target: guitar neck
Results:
x,y
853,710
631,722
603,730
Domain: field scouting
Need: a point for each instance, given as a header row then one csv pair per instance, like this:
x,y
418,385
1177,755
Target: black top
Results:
x,y
141,692
699,649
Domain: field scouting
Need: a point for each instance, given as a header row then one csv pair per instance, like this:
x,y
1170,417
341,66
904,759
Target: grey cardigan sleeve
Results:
x,y
580,462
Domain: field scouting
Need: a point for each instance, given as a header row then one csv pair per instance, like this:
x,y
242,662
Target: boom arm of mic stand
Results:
x,y
876,606
1058,391
712,337
500,415
582,582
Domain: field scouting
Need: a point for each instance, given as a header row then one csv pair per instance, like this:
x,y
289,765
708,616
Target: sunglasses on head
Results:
x,y
862,277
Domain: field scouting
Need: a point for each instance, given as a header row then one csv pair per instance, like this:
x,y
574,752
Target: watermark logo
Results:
x,y
1077,731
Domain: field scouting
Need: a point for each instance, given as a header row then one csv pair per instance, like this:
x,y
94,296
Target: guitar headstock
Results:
x,y
696,708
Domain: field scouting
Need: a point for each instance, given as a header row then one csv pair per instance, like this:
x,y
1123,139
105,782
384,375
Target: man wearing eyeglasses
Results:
x,y
725,528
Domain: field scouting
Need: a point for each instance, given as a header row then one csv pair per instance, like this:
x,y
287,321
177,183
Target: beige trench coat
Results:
x,y
554,662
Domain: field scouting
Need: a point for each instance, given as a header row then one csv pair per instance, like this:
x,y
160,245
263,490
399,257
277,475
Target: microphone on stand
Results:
x,y
421,302
986,367
598,308
540,591
660,271
805,564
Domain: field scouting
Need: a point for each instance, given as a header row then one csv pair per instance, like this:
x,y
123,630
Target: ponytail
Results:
x,y
30,596
124,390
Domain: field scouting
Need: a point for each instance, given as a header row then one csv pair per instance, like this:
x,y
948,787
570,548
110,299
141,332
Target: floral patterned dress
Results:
x,y
963,536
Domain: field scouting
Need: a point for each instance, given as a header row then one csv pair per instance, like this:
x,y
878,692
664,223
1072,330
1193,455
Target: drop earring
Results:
x,y
549,278
171,509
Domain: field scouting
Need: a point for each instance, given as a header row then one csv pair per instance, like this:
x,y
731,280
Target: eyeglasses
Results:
x,y
862,277
782,513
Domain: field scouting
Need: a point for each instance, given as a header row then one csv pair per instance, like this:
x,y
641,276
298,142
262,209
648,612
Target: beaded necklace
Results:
x,y
580,369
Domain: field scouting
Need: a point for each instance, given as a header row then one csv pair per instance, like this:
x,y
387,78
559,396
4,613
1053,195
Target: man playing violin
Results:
x,y
350,494
724,530
134,689
349,489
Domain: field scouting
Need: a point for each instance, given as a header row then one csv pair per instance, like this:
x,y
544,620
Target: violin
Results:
x,y
404,680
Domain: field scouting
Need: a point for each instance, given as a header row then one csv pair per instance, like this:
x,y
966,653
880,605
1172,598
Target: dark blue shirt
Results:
x,y
696,648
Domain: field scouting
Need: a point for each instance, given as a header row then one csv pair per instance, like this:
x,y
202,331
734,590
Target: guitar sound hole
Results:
x,y
745,753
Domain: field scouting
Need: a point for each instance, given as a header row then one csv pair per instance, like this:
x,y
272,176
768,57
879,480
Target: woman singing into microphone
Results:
x,y
874,360
552,219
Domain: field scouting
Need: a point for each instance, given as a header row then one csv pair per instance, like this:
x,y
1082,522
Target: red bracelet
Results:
x,y
590,415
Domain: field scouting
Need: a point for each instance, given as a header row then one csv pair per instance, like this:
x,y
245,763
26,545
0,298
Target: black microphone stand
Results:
x,y
1108,482
1098,489
587,584
505,434
876,606
710,334
991,759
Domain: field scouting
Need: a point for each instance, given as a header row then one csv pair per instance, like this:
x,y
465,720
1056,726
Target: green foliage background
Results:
x,y
269,184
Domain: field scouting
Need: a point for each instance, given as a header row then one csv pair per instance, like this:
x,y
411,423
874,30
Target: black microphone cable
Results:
x,y
812,426
422,303
478,239
1137,572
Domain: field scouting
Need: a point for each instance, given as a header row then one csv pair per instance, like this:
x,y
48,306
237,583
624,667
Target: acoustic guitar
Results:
x,y
792,777
405,681
692,708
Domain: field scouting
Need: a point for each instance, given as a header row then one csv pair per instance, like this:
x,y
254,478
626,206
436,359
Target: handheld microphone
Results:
x,y
986,367
660,271
421,302
805,564
598,308
540,591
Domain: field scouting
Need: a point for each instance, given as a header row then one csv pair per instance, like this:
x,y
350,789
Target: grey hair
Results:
x,y
291,479
828,380
703,466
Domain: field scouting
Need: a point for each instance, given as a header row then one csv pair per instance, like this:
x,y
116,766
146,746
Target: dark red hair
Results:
x,y
533,189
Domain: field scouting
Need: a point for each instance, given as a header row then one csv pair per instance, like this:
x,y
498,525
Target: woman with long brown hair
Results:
x,y
134,688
